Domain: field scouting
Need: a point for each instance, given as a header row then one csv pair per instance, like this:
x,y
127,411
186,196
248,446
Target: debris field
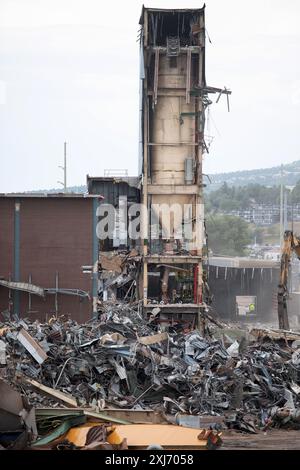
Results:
x,y
125,361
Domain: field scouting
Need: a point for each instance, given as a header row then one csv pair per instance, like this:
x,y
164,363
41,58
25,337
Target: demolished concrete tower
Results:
x,y
173,100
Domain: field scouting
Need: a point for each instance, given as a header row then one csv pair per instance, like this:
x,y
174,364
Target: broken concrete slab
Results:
x,y
17,418
259,333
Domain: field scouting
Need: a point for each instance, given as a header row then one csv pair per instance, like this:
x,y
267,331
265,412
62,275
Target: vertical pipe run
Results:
x,y
165,285
65,167
29,295
200,283
95,254
16,295
56,293
195,284
188,75
10,297
156,67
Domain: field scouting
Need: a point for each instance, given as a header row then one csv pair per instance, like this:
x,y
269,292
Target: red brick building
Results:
x,y
45,239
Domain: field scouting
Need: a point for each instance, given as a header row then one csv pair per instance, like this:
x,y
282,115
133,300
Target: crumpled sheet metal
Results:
x,y
105,364
17,419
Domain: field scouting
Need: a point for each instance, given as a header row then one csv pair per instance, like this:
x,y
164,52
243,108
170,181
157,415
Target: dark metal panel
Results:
x,y
112,188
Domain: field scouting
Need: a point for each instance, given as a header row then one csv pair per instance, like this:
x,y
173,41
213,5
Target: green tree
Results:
x,y
229,198
295,194
228,235
258,235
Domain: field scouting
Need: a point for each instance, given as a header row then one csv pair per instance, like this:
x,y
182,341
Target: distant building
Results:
x,y
266,214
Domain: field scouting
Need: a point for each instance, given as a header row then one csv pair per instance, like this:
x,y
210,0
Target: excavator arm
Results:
x,y
291,243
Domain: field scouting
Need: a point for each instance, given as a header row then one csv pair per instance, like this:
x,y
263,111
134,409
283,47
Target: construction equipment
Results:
x,y
291,243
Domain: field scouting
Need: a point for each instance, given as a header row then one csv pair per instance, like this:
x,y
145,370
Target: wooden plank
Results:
x,y
112,414
32,346
275,334
106,417
66,398
158,338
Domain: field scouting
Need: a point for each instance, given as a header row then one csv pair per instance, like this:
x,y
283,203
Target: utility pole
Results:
x,y
281,206
285,212
64,168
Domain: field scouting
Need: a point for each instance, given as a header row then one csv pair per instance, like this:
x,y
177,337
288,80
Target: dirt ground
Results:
x,y
271,440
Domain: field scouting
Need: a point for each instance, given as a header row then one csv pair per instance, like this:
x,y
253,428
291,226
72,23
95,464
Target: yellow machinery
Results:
x,y
291,243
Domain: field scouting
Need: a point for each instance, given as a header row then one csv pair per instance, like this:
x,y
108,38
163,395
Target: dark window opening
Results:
x,y
173,62
177,24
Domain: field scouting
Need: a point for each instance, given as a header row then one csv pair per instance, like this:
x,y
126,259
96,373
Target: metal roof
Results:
x,y
50,195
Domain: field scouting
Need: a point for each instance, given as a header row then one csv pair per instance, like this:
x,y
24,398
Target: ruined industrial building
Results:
x,y
115,322
164,261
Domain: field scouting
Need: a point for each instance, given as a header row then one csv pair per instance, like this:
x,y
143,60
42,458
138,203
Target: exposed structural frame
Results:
x,y
174,97
290,245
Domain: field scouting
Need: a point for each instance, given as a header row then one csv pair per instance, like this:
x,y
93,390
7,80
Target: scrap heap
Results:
x,y
125,361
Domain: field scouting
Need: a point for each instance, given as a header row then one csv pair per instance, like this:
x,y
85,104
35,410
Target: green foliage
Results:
x,y
228,235
229,198
295,194
258,235
265,176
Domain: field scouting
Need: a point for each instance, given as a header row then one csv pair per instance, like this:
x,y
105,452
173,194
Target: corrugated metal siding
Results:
x,y
112,189
56,236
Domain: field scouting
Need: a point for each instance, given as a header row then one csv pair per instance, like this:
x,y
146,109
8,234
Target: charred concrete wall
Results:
x,y
45,241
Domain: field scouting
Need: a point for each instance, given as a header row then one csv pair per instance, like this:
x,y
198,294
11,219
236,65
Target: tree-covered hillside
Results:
x,y
263,176
229,198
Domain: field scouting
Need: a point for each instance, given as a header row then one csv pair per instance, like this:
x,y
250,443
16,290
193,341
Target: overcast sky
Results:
x,y
69,71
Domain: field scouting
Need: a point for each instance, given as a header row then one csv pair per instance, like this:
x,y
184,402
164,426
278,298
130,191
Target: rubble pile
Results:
x,y
123,360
